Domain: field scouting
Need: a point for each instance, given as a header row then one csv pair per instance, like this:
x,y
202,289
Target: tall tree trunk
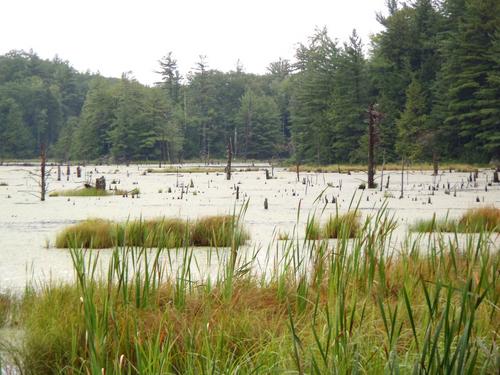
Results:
x,y
435,163
371,148
229,158
43,163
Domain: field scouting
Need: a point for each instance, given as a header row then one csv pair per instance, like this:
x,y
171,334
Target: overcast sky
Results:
x,y
115,36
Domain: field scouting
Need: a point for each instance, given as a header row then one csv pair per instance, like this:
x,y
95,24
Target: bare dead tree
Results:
x,y
374,118
43,176
229,159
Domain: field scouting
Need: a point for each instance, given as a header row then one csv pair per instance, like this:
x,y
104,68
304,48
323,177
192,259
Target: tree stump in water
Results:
x,y
495,177
100,183
59,173
78,172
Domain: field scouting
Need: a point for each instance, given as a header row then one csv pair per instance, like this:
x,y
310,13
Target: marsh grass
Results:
x,y
360,305
338,225
345,168
6,303
187,170
201,170
484,219
345,225
87,192
216,231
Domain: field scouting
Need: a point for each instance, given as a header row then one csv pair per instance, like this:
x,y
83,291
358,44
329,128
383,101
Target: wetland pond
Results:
x,y
28,227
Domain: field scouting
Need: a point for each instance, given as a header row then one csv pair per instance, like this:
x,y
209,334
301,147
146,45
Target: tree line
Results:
x,y
433,74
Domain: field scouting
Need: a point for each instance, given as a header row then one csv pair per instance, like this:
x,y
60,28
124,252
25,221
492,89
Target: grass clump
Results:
x,y
187,170
217,231
86,192
346,225
342,225
91,233
484,219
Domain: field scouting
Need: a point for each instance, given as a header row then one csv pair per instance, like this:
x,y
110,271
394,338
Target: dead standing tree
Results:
x,y
374,118
229,159
43,175
41,178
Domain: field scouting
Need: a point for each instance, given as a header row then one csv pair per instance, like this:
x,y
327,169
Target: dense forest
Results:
x,y
433,73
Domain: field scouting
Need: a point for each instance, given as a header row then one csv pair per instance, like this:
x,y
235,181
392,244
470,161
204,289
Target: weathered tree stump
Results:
x,y
59,172
78,172
100,183
495,177
266,204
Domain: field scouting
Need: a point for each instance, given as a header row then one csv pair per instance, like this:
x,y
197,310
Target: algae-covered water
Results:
x,y
28,226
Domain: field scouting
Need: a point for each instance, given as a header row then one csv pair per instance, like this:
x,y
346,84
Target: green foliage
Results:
x,y
412,123
432,72
311,98
259,126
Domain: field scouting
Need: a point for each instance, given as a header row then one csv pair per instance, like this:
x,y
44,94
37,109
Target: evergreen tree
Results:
x,y
95,121
312,97
349,104
411,126
468,59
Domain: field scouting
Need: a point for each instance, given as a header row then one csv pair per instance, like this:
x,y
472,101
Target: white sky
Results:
x,y
115,36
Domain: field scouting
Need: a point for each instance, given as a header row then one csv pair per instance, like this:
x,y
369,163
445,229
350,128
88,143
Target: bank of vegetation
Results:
x,y
361,305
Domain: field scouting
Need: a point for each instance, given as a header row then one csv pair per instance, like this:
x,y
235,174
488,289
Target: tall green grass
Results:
x,y
429,305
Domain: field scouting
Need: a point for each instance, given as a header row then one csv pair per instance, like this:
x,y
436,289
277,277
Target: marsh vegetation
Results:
x,y
355,305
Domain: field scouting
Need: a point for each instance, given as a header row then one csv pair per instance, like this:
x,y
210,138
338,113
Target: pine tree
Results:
x,y
350,100
412,124
311,99
468,59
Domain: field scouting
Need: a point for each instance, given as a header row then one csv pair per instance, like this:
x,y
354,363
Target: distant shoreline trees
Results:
x,y
434,72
